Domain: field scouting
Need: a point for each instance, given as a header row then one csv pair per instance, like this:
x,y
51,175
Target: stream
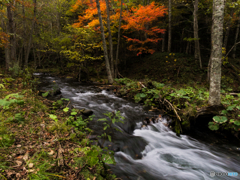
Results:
x,y
153,152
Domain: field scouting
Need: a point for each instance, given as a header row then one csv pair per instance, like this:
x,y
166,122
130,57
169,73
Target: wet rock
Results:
x,y
55,92
87,112
92,137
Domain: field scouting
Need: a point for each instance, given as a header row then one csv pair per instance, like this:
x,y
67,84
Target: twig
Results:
x,y
142,84
120,75
68,103
178,70
173,109
232,48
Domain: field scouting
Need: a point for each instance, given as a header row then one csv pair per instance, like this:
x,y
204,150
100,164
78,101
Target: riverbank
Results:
x,y
43,139
187,106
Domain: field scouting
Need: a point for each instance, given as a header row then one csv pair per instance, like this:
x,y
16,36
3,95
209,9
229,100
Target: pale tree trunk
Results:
x,y
118,44
228,27
197,53
236,37
110,38
169,24
216,55
109,73
29,45
163,41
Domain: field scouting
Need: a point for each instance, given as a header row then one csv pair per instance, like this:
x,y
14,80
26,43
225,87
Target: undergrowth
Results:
x,y
187,101
42,139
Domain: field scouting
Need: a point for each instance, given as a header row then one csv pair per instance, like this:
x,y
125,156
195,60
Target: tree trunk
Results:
x,y
163,41
12,32
169,24
29,46
35,59
110,39
187,48
236,37
6,48
119,38
216,54
109,73
181,42
197,54
7,57
228,27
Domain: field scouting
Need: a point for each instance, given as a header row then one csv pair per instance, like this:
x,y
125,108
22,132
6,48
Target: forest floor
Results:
x,y
42,139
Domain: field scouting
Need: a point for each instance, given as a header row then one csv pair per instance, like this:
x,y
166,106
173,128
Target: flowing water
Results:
x,y
153,152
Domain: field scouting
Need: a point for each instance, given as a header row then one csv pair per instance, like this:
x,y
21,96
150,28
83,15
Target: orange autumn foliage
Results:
x,y
3,39
137,19
140,19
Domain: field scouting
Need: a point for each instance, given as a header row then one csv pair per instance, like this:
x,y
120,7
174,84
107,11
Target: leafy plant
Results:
x,y
6,102
113,117
54,117
6,140
220,119
213,126
45,94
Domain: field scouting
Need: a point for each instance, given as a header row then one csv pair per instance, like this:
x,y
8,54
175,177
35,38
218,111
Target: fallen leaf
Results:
x,y
30,170
19,163
30,165
18,175
26,156
19,157
19,145
51,152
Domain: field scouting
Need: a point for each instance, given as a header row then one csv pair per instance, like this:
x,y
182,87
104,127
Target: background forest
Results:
x,y
43,34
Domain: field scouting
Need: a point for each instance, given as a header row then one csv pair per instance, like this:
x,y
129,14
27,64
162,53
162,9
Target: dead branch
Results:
x,y
175,111
231,49
60,156
120,75
142,84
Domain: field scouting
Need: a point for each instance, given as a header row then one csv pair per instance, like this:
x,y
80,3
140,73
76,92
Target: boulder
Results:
x,y
87,112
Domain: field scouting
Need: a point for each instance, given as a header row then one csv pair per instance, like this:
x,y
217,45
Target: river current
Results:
x,y
153,152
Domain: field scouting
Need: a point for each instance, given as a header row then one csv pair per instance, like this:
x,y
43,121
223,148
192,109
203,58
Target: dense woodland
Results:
x,y
180,56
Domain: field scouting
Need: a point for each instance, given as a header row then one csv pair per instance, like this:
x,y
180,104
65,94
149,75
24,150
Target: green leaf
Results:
x,y
109,138
73,113
66,109
105,127
237,123
213,126
224,112
232,120
230,108
103,119
2,86
45,94
54,117
108,159
220,119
